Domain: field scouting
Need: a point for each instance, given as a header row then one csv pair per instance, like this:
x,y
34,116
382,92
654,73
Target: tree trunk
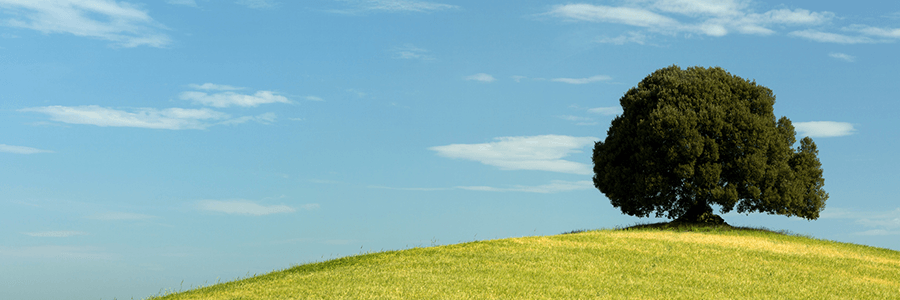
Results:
x,y
700,213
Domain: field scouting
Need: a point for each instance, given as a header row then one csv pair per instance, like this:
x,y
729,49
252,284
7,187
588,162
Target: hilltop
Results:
x,y
708,263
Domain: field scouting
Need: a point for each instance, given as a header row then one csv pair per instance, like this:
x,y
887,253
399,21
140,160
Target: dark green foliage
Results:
x,y
691,138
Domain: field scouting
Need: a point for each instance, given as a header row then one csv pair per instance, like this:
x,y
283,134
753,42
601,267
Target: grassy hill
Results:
x,y
690,263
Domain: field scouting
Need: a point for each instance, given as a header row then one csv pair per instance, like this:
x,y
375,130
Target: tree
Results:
x,y
688,139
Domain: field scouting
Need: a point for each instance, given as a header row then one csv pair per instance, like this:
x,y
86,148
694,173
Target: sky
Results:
x,y
150,146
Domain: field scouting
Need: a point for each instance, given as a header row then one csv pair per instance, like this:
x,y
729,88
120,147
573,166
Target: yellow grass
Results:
x,y
605,264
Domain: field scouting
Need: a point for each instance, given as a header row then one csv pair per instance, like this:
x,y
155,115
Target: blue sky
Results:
x,y
148,143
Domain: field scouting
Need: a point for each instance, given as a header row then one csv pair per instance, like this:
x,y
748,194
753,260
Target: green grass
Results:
x,y
647,261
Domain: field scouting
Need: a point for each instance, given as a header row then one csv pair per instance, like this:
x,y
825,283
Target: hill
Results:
x,y
644,263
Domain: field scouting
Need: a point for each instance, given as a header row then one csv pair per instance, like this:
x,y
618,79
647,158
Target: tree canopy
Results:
x,y
691,138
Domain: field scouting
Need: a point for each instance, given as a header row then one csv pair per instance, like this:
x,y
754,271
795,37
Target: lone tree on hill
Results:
x,y
691,138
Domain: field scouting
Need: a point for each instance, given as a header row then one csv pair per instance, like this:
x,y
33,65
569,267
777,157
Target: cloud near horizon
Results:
x,y
880,222
541,153
120,216
65,233
126,25
244,207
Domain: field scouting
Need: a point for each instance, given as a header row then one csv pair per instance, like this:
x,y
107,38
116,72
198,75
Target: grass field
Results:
x,y
642,263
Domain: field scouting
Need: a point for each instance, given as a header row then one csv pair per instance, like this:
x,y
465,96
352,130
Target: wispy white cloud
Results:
x,y
258,4
881,222
543,152
265,118
120,216
889,33
226,99
706,17
629,37
701,7
170,118
310,206
582,80
827,37
606,111
190,3
481,77
395,6
842,56
57,234
243,207
313,98
717,18
126,25
410,51
381,187
581,121
609,14
214,87
555,186
21,149
57,252
824,128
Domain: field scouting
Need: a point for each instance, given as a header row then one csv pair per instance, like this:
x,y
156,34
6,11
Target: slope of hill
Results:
x,y
637,263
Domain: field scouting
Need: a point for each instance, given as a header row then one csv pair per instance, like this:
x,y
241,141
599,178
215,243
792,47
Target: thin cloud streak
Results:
x,y
122,23
827,37
55,234
606,111
57,252
243,207
582,80
714,18
406,189
893,33
842,56
227,99
824,129
190,3
881,222
628,37
394,6
21,149
409,51
541,153
120,216
482,77
258,4
170,118
214,87
556,186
